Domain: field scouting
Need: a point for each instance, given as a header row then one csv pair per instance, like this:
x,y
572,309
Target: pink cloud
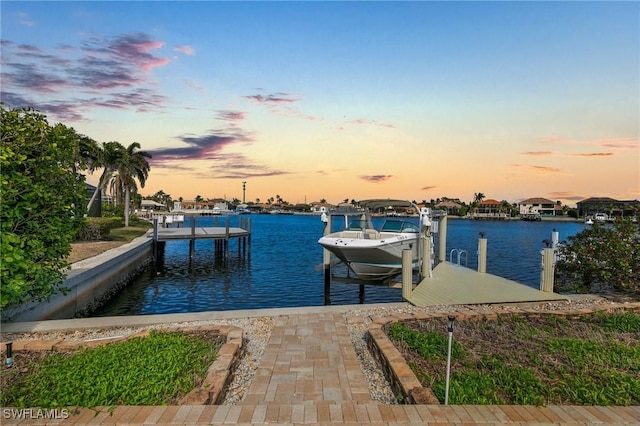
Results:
x,y
187,50
371,123
541,170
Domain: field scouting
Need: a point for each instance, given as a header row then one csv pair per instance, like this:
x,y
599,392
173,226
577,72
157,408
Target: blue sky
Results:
x,y
336,100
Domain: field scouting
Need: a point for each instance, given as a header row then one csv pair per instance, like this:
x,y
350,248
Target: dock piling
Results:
x,y
407,274
482,254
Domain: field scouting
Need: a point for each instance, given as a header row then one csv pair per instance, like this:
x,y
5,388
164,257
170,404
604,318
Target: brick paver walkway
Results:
x,y
310,375
309,359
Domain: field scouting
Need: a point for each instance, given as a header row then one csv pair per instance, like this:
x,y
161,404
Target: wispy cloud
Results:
x,y
24,19
427,188
204,147
273,99
561,195
594,154
620,143
361,121
540,170
187,50
211,148
232,116
99,72
537,153
376,178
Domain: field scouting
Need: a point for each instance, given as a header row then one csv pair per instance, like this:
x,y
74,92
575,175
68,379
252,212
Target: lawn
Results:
x,y
155,370
517,360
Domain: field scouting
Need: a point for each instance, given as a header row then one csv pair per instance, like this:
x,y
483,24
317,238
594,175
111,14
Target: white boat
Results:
x,y
376,254
588,220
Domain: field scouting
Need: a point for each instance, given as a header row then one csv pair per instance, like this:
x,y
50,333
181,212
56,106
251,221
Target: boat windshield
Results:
x,y
393,225
357,225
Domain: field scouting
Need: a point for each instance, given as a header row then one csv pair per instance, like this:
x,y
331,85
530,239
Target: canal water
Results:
x,y
284,267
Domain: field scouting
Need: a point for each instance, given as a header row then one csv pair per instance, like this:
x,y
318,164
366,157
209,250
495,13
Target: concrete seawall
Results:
x,y
89,280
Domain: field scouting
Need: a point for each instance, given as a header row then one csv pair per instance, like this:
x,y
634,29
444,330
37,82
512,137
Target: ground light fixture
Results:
x,y
9,361
450,330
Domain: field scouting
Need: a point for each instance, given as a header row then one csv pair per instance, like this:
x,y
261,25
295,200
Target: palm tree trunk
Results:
x,y
127,196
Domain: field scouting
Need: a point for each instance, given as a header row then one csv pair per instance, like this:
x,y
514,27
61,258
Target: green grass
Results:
x,y
592,360
129,233
152,370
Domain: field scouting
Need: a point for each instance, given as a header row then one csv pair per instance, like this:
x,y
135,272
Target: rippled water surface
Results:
x,y
283,268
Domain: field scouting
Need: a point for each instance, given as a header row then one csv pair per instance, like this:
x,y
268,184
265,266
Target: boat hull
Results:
x,y
372,259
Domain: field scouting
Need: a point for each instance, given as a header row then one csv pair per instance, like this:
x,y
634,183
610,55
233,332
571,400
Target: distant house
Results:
x,y
489,209
613,208
152,205
450,206
540,206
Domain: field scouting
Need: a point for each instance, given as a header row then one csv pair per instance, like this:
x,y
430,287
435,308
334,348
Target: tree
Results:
x,y
107,157
132,165
42,204
478,197
601,257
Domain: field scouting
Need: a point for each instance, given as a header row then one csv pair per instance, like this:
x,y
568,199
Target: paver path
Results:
x,y
309,358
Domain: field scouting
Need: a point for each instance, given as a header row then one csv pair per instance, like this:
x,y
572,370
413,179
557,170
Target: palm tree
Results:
x,y
133,165
107,157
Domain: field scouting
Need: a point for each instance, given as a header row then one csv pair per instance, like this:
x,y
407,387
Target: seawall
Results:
x,y
88,281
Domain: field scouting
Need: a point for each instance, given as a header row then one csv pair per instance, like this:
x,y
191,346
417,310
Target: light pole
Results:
x,y
450,330
244,188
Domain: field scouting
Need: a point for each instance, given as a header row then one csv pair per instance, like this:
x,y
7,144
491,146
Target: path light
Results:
x,y
482,234
450,330
547,242
9,362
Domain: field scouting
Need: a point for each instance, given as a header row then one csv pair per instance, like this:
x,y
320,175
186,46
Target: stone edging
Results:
x,y
219,374
404,382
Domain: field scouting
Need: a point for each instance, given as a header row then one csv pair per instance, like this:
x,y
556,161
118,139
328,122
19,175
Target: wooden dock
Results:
x,y
457,285
220,234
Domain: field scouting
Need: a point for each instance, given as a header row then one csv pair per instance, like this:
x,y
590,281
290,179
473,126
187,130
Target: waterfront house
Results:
x,y
539,206
451,207
489,209
613,208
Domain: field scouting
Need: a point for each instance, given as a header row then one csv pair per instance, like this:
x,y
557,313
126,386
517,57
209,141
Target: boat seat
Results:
x,y
370,234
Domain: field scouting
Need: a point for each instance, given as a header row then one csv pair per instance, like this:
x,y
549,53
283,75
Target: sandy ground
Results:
x,y
86,249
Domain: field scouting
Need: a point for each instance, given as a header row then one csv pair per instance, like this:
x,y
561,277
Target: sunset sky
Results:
x,y
344,100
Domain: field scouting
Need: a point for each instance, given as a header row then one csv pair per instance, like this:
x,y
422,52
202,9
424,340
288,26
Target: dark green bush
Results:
x,y
98,228
602,257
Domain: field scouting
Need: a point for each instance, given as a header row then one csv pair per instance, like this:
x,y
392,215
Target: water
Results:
x,y
284,267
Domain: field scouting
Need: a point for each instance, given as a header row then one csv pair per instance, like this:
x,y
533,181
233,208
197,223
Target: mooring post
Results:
x,y
482,254
155,238
442,252
326,254
407,274
192,241
548,270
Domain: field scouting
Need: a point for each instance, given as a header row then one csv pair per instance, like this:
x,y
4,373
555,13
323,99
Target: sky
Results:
x,y
343,100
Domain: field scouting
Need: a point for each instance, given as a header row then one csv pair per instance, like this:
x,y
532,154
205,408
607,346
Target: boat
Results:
x,y
376,254
588,220
531,217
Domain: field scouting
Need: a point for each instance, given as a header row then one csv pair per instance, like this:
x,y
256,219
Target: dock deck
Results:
x,y
458,285
198,232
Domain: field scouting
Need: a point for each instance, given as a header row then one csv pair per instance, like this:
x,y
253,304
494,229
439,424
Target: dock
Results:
x,y
452,284
220,234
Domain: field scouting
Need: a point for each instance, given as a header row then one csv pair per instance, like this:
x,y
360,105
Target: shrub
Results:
x,y
98,228
41,205
602,257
